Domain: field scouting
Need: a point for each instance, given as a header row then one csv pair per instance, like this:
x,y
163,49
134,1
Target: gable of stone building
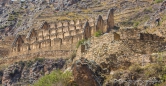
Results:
x,y
44,25
110,19
18,40
31,33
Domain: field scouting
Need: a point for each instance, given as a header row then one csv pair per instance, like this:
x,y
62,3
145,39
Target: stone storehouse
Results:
x,y
59,36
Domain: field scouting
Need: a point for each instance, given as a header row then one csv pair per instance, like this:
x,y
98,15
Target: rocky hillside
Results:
x,y
105,62
27,72
139,13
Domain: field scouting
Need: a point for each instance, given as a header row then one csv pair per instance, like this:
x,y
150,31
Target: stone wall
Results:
x,y
62,37
59,36
129,34
150,37
110,20
137,34
142,46
5,44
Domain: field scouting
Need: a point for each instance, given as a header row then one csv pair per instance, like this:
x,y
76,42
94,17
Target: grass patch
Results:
x,y
3,27
19,23
135,68
63,18
98,33
3,66
127,23
136,24
158,1
153,70
87,11
80,43
39,59
13,16
164,18
28,63
148,10
73,55
55,78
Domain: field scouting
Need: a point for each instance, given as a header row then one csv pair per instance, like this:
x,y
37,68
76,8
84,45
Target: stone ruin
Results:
x,y
135,34
135,41
59,38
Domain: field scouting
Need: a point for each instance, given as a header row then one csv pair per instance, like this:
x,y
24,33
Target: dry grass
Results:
x,y
87,11
65,16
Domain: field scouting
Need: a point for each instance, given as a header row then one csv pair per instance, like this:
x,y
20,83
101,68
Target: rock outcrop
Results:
x,y
163,6
87,73
22,73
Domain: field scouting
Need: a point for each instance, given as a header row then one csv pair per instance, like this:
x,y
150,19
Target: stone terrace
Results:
x,y
61,36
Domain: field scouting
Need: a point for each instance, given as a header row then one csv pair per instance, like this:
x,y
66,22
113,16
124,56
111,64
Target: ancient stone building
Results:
x,y
116,36
61,36
59,39
150,37
135,34
110,20
100,25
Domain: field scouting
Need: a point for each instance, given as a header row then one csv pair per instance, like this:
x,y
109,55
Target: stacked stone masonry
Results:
x,y
60,39
59,36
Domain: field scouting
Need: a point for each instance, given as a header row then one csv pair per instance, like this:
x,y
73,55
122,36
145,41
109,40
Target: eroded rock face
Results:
x,y
163,6
73,1
28,72
12,74
87,73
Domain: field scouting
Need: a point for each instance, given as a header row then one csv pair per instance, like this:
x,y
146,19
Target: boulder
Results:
x,y
87,73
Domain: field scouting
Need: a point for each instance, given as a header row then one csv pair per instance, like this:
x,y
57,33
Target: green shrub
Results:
x,y
55,78
153,70
11,18
80,42
148,10
39,59
19,23
126,23
136,24
160,23
28,63
2,27
135,68
159,1
98,33
117,75
161,84
163,77
22,63
73,55
164,18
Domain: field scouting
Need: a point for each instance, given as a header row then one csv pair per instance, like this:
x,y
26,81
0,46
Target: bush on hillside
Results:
x,y
73,55
80,42
98,33
159,1
39,59
136,24
135,68
153,70
55,78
